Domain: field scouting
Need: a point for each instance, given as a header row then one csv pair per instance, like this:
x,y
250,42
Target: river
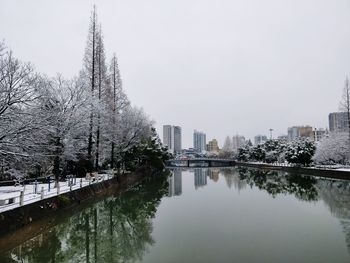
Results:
x,y
203,215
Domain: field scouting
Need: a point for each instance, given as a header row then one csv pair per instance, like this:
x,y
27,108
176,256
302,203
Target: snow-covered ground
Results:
x,y
344,169
336,167
43,191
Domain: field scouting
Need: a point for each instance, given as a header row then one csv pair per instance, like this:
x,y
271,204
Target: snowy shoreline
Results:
x,y
35,192
335,173
36,208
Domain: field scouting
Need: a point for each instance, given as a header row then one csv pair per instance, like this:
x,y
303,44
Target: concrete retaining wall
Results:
x,y
16,218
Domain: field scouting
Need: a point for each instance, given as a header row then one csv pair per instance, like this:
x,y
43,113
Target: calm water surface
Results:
x,y
204,215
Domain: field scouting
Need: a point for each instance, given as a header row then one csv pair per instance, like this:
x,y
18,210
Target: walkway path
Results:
x,y
36,192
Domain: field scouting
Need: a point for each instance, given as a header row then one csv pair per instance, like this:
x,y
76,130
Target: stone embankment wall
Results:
x,y
28,214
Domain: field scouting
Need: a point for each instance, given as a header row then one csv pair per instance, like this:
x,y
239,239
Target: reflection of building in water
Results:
x,y
200,177
232,179
336,194
175,183
214,174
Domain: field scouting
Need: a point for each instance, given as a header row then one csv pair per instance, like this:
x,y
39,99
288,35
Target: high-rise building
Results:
x,y
300,132
238,141
319,134
306,132
177,139
213,146
172,138
167,136
293,133
260,139
338,122
199,141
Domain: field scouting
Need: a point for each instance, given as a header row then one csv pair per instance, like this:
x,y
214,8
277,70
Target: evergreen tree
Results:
x,y
119,101
300,151
101,71
345,106
89,74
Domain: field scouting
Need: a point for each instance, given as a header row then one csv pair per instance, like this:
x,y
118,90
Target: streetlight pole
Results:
x,y
270,133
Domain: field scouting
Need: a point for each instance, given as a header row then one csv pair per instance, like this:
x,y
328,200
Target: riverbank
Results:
x,y
326,173
30,213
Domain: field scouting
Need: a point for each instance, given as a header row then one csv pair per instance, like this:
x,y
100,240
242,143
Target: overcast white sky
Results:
x,y
221,66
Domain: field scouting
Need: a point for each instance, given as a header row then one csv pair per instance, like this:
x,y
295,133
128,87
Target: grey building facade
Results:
x,y
260,139
199,141
177,139
172,138
338,122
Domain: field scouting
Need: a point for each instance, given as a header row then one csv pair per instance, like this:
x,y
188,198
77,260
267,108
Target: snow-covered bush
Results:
x,y
244,153
300,151
274,150
271,151
333,149
258,153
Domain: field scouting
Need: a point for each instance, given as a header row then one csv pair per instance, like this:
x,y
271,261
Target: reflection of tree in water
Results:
x,y
275,183
228,175
336,195
113,230
44,248
232,179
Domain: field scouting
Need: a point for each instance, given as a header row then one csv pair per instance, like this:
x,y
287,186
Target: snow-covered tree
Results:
x,y
135,126
102,92
20,89
46,124
271,151
332,149
300,151
89,76
64,118
118,102
345,106
274,150
258,153
244,153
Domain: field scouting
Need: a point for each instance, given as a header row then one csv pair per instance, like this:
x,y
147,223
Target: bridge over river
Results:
x,y
200,162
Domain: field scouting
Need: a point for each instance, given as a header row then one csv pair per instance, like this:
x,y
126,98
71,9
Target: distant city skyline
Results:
x,y
335,119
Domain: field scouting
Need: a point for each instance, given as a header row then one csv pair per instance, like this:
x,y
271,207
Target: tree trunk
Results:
x,y
90,136
112,156
99,64
92,85
349,135
97,147
347,104
56,161
114,109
